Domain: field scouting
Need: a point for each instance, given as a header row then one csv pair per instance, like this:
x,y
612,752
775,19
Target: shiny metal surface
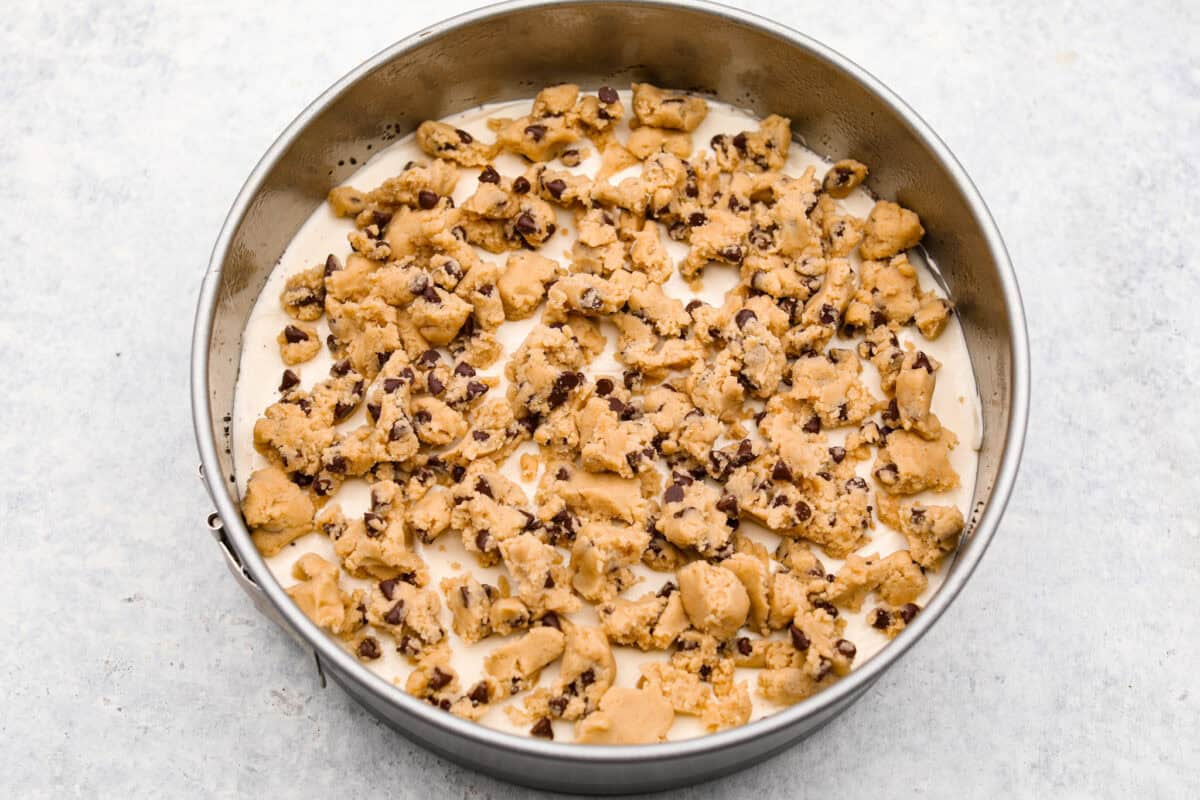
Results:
x,y
507,52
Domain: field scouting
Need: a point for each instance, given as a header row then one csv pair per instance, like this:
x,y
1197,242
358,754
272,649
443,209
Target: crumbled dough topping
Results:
x,y
720,415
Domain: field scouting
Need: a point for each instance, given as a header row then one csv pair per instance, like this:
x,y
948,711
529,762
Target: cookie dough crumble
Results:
x,y
680,506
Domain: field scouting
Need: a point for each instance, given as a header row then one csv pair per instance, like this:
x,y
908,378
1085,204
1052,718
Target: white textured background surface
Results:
x,y
132,665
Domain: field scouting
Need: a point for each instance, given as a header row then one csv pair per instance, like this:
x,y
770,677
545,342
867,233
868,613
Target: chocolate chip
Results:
x,y
388,588
922,361
475,389
570,158
478,694
908,612
631,378
563,474
803,512
856,483
489,175
427,199
480,436
829,315
483,487
744,646
881,619
435,384
542,729
342,410
877,319
780,472
739,141
482,541
846,648
368,649
536,132
745,452
697,218
290,380
888,474
674,494
465,137
744,317
439,680
562,387
799,640
728,505
293,335
590,299
604,386
464,370
332,265
428,358
607,95
812,426
826,606
550,620
395,614
521,185
374,409
525,223
556,187
838,454
733,253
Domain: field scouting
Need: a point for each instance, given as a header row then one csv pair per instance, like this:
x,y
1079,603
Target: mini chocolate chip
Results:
x,y
489,175
521,185
480,436
483,487
829,315
428,358
674,494
813,425
293,335
435,384
604,387
744,646
744,317
422,417
563,474
475,389
395,614
908,611
728,505
846,648
607,95
697,218
536,132
525,223
390,385
733,253
803,512
556,187
838,454
780,472
439,680
368,649
881,619
290,380
799,640
542,729
427,199
856,483
888,473
739,141
465,370
388,588
826,606
464,136
478,694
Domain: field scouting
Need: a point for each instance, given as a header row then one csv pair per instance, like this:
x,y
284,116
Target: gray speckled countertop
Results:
x,y
131,663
